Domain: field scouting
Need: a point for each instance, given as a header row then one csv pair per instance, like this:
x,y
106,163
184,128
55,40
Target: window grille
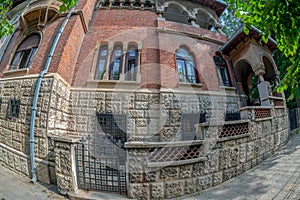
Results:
x,y
13,108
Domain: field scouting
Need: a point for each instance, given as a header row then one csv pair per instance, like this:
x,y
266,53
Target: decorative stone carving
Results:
x,y
139,191
190,186
217,178
169,173
157,191
174,189
204,182
186,171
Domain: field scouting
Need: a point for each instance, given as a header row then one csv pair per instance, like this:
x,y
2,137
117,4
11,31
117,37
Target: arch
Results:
x,y
186,67
270,74
131,62
244,74
176,12
204,19
25,52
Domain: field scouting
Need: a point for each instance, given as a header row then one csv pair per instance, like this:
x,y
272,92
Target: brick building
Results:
x,y
145,98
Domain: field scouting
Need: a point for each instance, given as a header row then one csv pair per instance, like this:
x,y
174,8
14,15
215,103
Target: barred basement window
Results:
x,y
13,108
25,52
113,126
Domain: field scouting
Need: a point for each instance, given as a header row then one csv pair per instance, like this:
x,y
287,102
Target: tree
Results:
x,y
280,19
6,27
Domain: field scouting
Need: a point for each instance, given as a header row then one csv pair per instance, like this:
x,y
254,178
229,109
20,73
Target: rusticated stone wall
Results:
x,y
160,164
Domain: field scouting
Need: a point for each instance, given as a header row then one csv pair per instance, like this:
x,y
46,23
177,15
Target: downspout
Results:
x,y
37,91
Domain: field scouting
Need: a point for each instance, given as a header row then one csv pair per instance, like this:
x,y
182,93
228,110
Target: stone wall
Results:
x,y
14,131
160,164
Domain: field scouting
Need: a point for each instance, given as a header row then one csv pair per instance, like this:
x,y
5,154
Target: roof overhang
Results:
x,y
216,5
240,36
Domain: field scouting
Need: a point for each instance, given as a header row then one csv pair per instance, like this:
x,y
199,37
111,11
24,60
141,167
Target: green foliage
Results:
x,y
230,24
67,4
254,90
5,26
281,19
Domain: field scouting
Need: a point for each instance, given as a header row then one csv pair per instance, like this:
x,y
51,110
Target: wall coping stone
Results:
x,y
255,107
137,145
221,123
66,138
175,163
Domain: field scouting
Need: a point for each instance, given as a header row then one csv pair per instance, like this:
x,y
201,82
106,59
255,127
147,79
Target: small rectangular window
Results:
x,y
13,108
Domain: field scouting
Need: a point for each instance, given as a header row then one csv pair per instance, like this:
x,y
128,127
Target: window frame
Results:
x,y
13,108
189,74
101,57
131,72
116,59
222,71
22,58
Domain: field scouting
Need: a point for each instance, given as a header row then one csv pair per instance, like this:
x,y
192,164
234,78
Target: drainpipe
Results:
x,y
37,91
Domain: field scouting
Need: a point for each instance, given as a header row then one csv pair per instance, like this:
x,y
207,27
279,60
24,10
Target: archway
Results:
x,y
245,78
270,73
176,13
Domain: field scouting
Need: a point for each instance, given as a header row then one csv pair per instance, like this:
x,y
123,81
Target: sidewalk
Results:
x,y
276,178
17,187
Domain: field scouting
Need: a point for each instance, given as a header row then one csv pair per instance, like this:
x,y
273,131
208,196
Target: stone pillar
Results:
x,y
108,61
124,55
65,163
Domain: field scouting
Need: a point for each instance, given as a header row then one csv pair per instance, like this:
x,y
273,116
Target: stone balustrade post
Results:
x,y
65,163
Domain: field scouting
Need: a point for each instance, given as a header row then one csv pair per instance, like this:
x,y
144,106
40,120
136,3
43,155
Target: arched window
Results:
x,y
222,71
131,63
101,62
116,64
186,67
25,52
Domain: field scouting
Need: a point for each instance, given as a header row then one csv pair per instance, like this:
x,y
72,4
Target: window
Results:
x,y
186,67
131,64
25,52
113,126
188,122
116,64
222,71
13,108
101,63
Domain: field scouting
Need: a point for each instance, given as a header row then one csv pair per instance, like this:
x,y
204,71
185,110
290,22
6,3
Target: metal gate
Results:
x,y
293,119
101,157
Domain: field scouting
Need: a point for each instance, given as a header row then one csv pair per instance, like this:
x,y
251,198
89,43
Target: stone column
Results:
x,y
122,74
65,163
138,71
108,61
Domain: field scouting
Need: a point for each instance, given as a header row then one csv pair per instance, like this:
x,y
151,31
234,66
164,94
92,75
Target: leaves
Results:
x,y
281,20
6,28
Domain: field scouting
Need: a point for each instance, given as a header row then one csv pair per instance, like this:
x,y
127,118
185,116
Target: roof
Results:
x,y
216,5
240,36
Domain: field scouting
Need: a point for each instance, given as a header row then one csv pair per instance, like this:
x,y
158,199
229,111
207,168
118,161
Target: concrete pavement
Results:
x,y
18,187
276,178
